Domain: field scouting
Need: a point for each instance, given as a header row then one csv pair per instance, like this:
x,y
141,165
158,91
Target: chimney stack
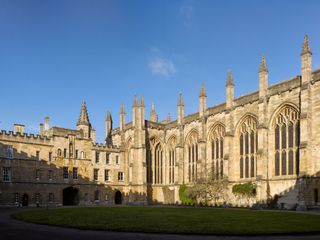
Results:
x,y
18,128
41,129
46,123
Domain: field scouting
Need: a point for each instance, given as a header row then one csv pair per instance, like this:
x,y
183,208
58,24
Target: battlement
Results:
x,y
24,137
104,147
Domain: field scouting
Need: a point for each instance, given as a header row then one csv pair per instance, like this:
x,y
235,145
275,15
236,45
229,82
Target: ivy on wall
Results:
x,y
246,190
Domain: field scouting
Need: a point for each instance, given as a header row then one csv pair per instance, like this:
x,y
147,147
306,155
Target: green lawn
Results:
x,y
176,220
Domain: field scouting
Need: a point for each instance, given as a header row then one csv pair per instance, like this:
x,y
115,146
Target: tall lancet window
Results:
x,y
149,165
192,147
217,151
286,142
248,144
172,159
158,164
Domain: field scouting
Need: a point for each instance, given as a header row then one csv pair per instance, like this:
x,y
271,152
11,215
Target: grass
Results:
x,y
177,220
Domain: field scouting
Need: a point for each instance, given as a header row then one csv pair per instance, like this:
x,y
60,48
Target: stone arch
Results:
x,y
118,198
213,127
279,108
243,118
154,140
215,150
70,196
128,142
285,133
192,135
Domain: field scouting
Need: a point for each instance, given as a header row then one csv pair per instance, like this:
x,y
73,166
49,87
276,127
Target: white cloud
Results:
x,y
186,13
162,66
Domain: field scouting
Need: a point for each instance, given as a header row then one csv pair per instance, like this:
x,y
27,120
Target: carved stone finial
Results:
x,y
135,101
306,46
180,101
203,91
230,79
122,110
263,65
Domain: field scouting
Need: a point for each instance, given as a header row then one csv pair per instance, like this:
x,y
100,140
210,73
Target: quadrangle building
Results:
x,y
270,137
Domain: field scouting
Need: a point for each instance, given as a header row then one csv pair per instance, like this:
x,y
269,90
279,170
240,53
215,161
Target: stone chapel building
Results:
x,y
270,137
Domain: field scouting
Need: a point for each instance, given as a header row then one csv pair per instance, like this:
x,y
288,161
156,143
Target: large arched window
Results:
x,y
192,147
248,144
155,162
286,142
217,155
172,158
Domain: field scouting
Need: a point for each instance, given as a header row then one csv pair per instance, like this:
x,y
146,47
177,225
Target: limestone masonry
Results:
x,y
270,138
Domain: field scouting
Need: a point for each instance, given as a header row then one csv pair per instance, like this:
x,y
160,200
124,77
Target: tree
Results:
x,y
209,190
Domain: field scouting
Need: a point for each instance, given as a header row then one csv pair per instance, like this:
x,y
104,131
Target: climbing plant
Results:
x,y
244,190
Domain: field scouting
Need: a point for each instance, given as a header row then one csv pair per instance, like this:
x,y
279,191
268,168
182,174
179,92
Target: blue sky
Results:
x,y
54,54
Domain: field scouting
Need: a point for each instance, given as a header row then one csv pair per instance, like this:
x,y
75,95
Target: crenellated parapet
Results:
x,y
24,137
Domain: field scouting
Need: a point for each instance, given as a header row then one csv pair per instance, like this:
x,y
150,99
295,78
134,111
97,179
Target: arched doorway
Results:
x,y
316,196
118,198
70,196
25,200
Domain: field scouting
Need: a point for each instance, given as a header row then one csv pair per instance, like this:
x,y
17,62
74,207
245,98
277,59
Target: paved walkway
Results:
x,y
13,229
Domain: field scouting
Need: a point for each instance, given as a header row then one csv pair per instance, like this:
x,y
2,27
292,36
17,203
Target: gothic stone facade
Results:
x,y
270,138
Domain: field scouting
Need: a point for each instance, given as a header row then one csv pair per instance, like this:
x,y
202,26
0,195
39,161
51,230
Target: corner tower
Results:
x,y
83,123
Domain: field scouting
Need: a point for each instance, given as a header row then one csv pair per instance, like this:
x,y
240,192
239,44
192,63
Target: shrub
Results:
x,y
184,196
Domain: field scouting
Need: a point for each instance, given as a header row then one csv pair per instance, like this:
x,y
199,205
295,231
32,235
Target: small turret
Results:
x,y
306,61
153,114
83,123
229,90
180,110
263,78
202,101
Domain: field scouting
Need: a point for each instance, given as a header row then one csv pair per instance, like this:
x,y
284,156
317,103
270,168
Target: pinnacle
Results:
x,y
141,102
306,46
135,101
180,101
230,79
263,65
84,117
203,91
122,111
108,118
